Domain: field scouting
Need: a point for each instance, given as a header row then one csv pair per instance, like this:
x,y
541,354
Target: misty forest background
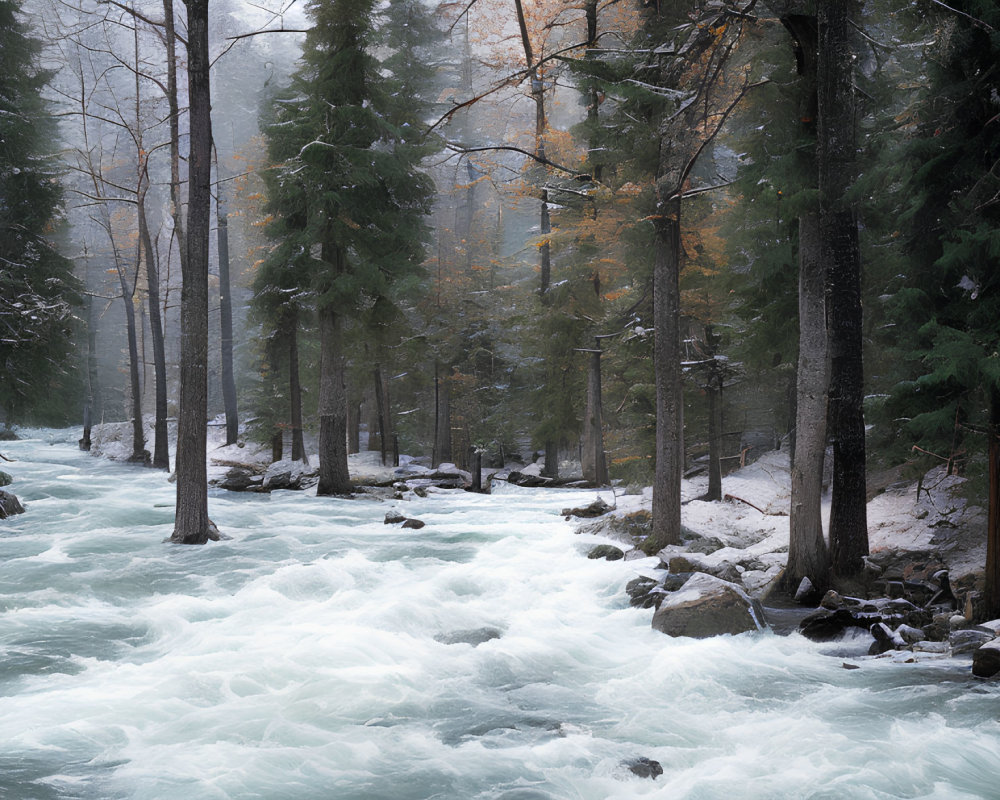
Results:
x,y
443,225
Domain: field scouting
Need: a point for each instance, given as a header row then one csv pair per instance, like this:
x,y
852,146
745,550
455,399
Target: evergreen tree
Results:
x,y
37,287
946,305
348,132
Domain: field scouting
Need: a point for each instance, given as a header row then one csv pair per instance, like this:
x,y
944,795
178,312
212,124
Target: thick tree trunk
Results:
x,y
807,551
334,478
837,155
295,393
175,137
669,392
192,525
226,319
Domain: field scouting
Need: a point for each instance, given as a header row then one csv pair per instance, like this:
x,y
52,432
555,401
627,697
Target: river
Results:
x,y
321,654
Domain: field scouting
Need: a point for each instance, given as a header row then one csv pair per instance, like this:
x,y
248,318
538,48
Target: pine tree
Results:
x,y
348,132
37,287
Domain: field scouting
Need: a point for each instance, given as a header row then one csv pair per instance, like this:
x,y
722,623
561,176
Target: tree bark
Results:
x,y
714,392
176,210
837,156
666,528
595,468
991,600
295,393
334,478
442,419
807,550
139,453
161,446
384,418
192,525
226,321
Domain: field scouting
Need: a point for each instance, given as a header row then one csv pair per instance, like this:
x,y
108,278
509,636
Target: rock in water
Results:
x,y
393,518
5,479
707,606
596,509
986,660
644,767
9,505
608,552
415,524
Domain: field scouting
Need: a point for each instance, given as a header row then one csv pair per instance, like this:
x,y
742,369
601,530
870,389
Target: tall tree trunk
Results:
x,y
191,524
139,453
384,417
991,601
442,419
837,156
226,319
595,468
807,550
161,446
295,393
714,392
666,527
333,473
176,210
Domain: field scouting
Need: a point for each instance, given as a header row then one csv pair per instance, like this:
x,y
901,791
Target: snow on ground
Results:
x,y
752,523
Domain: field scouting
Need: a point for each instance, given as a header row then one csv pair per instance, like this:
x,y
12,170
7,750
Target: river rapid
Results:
x,y
321,654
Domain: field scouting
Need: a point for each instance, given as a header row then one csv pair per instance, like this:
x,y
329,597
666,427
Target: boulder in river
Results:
x,y
986,660
596,509
644,767
708,606
607,551
9,505
5,479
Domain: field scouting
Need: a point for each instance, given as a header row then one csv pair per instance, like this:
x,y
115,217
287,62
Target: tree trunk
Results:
x,y
595,468
192,525
175,136
807,551
295,393
714,392
226,319
667,366
333,474
837,146
442,419
384,418
161,446
139,454
991,601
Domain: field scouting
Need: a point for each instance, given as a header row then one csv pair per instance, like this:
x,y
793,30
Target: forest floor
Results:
x,y
929,521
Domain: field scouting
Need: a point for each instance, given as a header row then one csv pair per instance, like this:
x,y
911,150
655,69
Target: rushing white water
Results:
x,y
322,654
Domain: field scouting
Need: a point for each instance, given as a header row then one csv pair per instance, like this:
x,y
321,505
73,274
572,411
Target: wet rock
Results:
x,y
673,581
910,634
287,475
824,625
968,641
695,562
9,505
596,509
475,636
644,767
645,592
5,479
807,594
707,606
704,544
415,524
986,659
7,435
241,479
393,518
527,480
885,639
607,551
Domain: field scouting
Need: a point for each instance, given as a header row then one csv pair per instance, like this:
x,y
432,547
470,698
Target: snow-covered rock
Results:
x,y
707,606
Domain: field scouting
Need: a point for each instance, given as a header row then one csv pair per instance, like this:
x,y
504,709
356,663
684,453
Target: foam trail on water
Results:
x,y
323,654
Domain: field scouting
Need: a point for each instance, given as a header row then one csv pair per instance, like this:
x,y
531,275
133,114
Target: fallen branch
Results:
x,y
734,497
